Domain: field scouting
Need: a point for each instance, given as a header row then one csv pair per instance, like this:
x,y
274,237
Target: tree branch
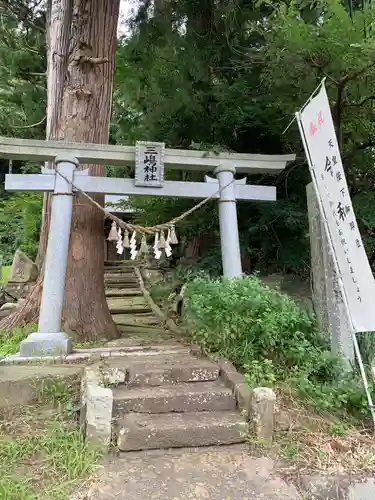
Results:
x,y
21,13
363,101
360,147
32,125
355,74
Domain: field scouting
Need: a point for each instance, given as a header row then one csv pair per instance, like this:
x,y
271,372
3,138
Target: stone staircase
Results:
x,y
164,396
127,305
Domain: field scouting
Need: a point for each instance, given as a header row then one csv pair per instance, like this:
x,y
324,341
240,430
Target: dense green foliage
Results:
x,y
230,75
10,343
20,219
23,113
223,76
271,339
220,76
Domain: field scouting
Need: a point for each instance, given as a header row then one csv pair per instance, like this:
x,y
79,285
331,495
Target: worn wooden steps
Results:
x,y
128,305
136,320
122,292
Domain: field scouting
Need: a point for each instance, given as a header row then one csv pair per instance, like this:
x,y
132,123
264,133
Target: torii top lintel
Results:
x,y
177,159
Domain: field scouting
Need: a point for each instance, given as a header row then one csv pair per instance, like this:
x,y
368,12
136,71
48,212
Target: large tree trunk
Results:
x,y
84,117
86,111
58,38
59,15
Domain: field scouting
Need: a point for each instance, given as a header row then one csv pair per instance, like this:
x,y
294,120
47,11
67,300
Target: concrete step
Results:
x,y
122,292
191,397
166,369
140,431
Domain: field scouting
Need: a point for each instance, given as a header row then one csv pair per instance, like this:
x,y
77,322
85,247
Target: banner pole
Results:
x,y
337,270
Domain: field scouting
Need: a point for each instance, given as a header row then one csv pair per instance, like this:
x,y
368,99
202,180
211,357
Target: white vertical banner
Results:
x,y
328,174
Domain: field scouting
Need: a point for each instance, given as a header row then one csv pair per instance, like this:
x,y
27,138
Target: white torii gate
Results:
x,y
50,340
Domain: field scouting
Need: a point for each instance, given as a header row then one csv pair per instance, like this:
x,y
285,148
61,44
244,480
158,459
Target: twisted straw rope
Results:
x,y
142,229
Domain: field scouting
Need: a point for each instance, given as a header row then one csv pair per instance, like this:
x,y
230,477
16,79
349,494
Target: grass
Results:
x,y
324,422
5,272
319,441
10,342
43,453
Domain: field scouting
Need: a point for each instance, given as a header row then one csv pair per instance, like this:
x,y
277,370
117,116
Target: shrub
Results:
x,y
270,338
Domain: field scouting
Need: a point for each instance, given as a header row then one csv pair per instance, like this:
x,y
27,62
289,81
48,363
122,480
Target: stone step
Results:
x,y
144,330
144,340
139,320
121,283
119,266
191,397
140,431
130,354
126,301
166,369
115,267
116,311
128,305
120,277
111,263
122,292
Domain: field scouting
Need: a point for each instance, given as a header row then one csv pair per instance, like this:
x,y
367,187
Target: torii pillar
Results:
x,y
230,242
50,339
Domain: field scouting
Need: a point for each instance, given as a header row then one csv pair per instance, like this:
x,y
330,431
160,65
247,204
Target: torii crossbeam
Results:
x,y
150,159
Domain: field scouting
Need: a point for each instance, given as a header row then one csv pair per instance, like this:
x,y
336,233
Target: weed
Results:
x,y
54,391
272,339
4,274
337,429
42,453
10,342
288,451
160,291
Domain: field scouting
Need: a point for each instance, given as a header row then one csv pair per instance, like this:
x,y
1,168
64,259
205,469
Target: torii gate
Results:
x,y
150,159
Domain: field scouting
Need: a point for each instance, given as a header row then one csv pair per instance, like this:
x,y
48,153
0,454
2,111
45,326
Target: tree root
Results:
x,y
28,312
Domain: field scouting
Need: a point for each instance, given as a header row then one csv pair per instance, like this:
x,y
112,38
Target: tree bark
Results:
x,y
58,36
83,116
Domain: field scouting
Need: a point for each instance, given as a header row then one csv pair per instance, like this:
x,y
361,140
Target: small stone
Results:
x,y
232,379
7,309
226,366
112,377
243,394
8,305
23,268
262,406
